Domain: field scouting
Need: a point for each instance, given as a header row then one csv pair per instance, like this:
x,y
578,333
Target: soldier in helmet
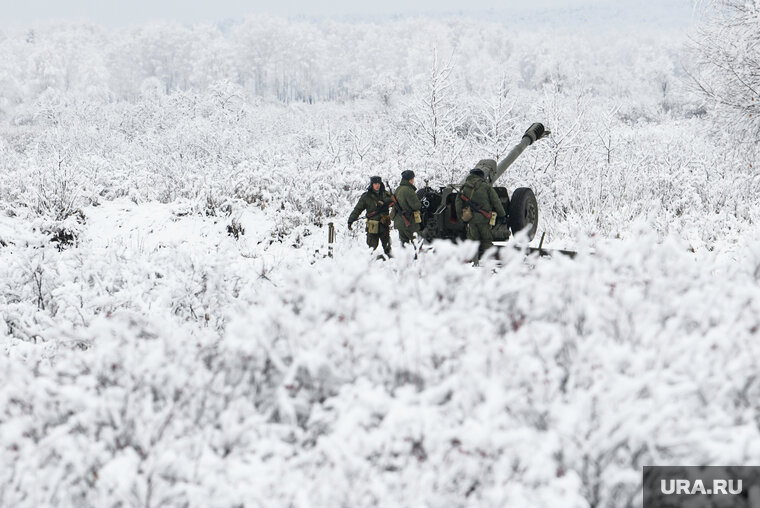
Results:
x,y
477,203
407,208
376,202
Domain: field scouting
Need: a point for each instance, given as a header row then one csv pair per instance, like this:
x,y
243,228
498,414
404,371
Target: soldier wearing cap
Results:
x,y
478,204
407,209
376,201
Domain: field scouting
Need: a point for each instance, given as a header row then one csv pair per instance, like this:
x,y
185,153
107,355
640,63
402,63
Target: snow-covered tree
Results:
x,y
728,71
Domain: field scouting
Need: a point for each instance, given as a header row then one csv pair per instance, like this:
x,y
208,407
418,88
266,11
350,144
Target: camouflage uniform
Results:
x,y
482,194
376,204
407,204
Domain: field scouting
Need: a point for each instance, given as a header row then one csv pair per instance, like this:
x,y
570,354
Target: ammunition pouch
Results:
x,y
373,227
467,210
417,217
472,207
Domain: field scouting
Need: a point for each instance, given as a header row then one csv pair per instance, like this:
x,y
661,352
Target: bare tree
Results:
x,y
494,126
728,58
437,120
435,113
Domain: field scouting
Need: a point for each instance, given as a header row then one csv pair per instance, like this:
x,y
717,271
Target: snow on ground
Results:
x,y
163,362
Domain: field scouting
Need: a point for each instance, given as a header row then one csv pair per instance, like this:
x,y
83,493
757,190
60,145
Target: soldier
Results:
x,y
407,209
376,202
476,204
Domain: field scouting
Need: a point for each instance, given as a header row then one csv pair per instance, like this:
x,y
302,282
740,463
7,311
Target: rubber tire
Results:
x,y
523,210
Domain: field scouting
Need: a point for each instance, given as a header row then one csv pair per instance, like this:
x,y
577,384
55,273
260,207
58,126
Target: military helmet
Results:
x,y
486,165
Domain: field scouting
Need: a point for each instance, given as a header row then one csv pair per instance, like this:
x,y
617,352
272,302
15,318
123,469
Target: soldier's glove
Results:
x,y
350,225
385,220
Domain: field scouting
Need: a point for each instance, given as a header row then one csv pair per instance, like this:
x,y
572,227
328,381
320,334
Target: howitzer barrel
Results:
x,y
533,134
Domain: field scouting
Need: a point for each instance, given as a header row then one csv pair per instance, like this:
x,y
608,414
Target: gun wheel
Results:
x,y
523,212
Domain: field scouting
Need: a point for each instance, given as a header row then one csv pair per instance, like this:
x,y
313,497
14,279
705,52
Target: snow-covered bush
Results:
x,y
208,379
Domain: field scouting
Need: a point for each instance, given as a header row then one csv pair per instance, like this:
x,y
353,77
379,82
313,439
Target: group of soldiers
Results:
x,y
474,205
381,206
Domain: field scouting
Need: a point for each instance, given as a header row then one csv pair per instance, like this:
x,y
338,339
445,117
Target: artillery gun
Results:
x,y
438,213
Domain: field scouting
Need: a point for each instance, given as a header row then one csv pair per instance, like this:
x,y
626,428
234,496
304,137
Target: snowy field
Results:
x,y
151,358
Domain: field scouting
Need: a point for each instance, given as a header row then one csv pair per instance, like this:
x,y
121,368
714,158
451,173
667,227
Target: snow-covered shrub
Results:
x,y
209,379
